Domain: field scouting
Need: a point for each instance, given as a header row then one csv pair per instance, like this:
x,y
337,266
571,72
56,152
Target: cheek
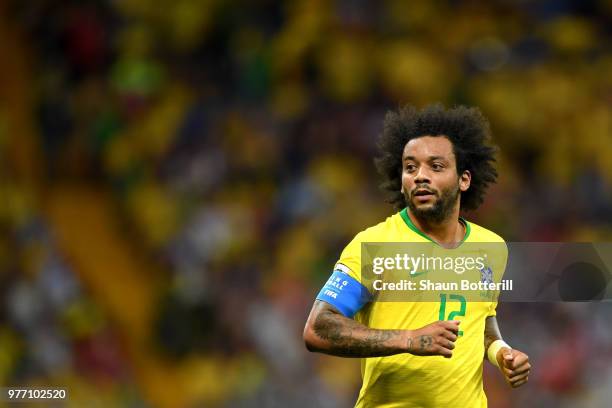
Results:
x,y
406,182
448,182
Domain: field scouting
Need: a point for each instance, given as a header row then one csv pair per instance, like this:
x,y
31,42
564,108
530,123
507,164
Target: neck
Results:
x,y
448,233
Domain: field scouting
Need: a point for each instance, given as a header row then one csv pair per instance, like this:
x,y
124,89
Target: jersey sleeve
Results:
x,y
499,265
492,310
344,289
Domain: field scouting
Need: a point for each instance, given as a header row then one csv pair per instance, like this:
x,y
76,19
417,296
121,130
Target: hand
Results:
x,y
514,365
435,339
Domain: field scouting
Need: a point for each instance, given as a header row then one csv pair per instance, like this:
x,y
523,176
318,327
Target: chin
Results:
x,y
424,206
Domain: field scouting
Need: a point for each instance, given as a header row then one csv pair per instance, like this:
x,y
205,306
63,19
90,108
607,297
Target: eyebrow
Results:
x,y
429,158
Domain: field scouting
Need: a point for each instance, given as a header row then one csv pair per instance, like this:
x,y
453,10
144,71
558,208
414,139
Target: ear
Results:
x,y
402,189
464,181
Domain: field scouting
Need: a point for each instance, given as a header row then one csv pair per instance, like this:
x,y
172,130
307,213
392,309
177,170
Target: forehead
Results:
x,y
424,147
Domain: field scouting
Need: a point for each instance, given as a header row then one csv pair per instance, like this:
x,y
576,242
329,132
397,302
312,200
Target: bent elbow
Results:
x,y
310,339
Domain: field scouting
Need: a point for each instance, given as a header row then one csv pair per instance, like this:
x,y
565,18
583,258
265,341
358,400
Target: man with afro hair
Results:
x,y
434,162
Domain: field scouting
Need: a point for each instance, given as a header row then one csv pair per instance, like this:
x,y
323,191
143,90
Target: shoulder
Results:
x,y
350,258
495,246
482,234
382,231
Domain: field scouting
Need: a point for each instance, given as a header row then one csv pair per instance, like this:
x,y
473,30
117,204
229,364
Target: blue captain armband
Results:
x,y
345,293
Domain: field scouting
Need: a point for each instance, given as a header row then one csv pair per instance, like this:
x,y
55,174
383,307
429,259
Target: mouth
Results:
x,y
423,195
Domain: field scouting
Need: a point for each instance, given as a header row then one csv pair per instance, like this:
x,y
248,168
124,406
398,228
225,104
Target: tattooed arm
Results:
x,y
328,331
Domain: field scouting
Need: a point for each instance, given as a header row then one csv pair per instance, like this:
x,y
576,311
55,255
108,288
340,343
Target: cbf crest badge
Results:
x,y
486,275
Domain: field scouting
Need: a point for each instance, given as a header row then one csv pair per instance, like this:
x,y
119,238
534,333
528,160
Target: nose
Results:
x,y
422,176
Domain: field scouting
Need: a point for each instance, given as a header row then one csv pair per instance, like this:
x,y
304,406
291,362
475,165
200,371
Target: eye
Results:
x,y
437,167
410,168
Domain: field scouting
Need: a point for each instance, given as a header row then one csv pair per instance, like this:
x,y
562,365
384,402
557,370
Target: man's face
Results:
x,y
430,182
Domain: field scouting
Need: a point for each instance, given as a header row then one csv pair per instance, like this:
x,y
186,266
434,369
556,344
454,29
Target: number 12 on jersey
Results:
x,y
453,314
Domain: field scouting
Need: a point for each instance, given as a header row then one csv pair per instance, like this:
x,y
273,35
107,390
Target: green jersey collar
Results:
x,y
410,224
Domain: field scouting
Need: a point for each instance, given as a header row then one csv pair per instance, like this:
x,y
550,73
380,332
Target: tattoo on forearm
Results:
x,y
426,341
488,339
348,338
491,333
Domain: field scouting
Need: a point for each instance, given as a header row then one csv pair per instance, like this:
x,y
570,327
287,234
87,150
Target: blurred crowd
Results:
x,y
236,142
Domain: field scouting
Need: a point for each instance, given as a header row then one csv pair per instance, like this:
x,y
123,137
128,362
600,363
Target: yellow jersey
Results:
x,y
406,380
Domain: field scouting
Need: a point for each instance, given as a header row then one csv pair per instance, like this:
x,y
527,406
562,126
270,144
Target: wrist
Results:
x,y
494,350
407,340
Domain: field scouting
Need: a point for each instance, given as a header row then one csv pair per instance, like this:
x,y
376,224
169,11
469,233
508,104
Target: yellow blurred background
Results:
x,y
178,177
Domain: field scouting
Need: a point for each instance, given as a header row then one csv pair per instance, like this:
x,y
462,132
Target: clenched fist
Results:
x,y
435,339
514,365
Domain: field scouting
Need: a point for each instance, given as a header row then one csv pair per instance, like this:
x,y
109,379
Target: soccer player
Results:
x,y
435,162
